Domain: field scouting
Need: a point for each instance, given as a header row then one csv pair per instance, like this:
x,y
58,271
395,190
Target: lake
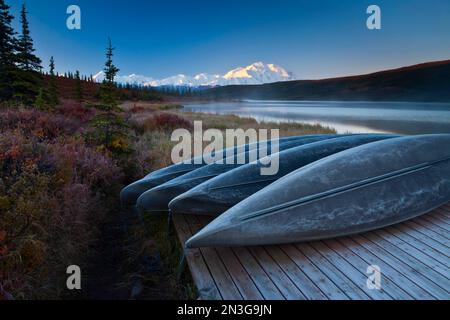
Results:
x,y
345,117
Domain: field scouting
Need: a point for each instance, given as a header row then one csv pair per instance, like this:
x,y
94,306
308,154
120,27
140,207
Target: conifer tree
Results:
x,y
78,88
53,89
42,100
27,60
110,71
7,53
27,84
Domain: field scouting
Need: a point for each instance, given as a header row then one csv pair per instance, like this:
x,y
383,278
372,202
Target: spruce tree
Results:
x,y
7,53
78,88
42,100
27,60
53,89
110,71
28,79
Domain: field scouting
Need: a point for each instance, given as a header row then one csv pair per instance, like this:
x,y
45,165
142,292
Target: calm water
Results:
x,y
353,117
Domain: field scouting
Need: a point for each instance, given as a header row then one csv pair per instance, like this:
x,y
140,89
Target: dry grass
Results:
x,y
153,146
224,122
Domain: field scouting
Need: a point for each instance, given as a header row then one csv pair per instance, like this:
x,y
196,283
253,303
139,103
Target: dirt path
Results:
x,y
105,260
125,264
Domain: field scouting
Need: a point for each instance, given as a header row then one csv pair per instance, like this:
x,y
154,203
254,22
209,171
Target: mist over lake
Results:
x,y
343,116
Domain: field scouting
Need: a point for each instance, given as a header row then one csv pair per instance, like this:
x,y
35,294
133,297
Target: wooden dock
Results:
x,y
413,257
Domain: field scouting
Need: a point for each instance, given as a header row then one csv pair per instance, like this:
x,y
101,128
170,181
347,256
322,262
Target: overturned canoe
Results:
x,y
219,194
131,193
158,198
358,190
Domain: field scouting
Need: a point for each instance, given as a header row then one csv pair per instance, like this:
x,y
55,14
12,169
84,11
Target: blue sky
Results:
x,y
314,39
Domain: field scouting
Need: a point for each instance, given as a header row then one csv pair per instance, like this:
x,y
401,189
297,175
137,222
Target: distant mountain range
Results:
x,y
254,74
422,82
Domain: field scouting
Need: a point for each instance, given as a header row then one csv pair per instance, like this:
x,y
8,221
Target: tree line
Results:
x,y
20,68
21,73
24,83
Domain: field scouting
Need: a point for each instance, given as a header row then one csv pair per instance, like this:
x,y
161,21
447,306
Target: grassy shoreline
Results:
x,y
159,140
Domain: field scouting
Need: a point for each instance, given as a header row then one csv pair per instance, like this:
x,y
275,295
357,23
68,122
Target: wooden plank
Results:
x,y
350,271
335,275
424,238
443,212
323,283
432,219
387,271
415,264
429,224
388,285
240,277
222,278
418,245
428,232
446,208
414,274
279,278
414,257
206,286
408,248
305,285
442,215
258,275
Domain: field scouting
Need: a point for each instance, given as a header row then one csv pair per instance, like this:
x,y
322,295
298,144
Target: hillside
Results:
x,y
91,91
423,82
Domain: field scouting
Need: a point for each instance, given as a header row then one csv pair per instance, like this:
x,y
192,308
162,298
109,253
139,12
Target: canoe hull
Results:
x,y
358,190
158,198
130,194
225,191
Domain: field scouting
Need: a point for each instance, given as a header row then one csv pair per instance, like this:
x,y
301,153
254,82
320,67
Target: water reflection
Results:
x,y
354,117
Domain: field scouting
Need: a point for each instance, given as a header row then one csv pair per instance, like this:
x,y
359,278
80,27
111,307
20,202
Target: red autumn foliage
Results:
x,y
41,125
54,191
75,110
166,122
138,109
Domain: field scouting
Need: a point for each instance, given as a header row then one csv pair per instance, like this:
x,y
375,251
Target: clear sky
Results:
x,y
314,39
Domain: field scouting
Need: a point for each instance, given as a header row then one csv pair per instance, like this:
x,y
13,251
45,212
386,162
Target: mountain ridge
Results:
x,y
256,73
429,81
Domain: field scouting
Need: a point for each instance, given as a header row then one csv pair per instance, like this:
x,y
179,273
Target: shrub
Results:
x,y
166,122
78,164
53,195
138,109
109,131
171,107
152,151
75,110
32,123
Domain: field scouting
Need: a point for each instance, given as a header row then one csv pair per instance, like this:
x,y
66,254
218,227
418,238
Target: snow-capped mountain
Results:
x,y
132,79
256,73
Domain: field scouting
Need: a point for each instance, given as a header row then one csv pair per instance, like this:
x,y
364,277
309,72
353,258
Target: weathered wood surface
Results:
x,y
414,258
